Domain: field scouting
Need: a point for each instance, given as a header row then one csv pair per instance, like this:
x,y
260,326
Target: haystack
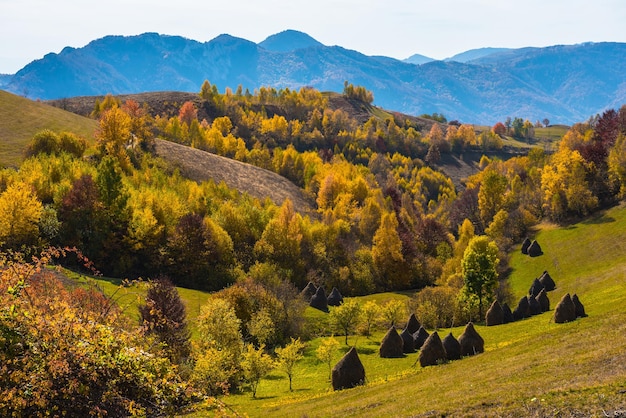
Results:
x,y
348,372
420,337
508,315
413,325
525,245
535,288
392,345
543,300
547,282
407,341
319,300
580,309
308,292
565,310
452,347
523,309
335,298
432,351
534,306
471,342
495,315
534,250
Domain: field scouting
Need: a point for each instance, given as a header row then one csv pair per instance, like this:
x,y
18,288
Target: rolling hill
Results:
x,y
21,118
200,165
565,84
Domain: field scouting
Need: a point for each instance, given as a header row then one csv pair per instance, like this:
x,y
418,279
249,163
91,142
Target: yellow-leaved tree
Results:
x,y
20,211
114,135
565,188
387,255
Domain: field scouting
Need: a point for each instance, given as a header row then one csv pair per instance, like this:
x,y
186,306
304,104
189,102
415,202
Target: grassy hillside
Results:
x,y
532,367
21,118
260,183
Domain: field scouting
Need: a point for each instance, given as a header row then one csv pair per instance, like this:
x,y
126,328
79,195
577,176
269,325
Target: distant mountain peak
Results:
x,y
418,59
289,40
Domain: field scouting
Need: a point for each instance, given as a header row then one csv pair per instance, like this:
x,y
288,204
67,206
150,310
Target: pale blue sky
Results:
x,y
397,28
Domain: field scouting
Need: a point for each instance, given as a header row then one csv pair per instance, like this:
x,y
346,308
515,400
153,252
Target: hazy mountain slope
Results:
x,y
5,79
564,83
474,54
147,62
581,77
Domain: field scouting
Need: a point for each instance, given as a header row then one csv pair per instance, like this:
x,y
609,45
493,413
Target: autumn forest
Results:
x,y
383,216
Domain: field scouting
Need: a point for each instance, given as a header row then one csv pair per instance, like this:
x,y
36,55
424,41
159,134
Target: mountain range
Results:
x,y
563,83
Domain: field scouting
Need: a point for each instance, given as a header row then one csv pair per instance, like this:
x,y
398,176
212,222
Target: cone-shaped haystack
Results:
x,y
432,351
319,300
523,309
348,372
580,309
547,282
543,300
535,288
452,347
335,298
495,315
413,325
407,341
308,292
533,306
565,310
392,345
508,315
525,246
471,342
534,250
420,337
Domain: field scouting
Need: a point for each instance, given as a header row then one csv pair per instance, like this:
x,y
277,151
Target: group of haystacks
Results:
x,y
349,371
316,297
569,307
532,249
535,303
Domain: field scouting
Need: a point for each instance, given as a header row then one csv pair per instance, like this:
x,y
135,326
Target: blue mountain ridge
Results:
x,y
566,84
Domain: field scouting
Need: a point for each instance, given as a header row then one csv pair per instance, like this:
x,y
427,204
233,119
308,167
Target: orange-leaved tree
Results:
x,y
66,351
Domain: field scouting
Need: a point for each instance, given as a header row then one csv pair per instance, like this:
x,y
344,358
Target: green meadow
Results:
x,y
532,367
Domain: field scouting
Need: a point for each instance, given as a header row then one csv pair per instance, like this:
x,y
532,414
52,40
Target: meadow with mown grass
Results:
x,y
532,367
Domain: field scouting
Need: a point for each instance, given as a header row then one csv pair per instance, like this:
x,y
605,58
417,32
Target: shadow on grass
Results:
x,y
274,377
262,398
300,390
366,350
599,220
